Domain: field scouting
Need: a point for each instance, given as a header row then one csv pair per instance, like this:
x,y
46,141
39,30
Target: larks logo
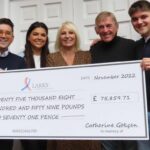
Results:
x,y
26,84
34,86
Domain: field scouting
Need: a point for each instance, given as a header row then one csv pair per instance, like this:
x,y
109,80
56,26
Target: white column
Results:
x,y
4,8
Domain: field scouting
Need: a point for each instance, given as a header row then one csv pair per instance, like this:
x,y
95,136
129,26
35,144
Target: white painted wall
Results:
x,y
4,6
81,12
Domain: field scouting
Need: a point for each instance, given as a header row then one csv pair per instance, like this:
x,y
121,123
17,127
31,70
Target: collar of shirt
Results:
x,y
146,39
4,54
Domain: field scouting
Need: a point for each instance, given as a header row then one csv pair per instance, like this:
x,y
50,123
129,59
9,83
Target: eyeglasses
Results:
x,y
6,33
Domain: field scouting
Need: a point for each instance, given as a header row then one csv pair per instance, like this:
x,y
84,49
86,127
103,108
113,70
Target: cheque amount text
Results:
x,y
112,98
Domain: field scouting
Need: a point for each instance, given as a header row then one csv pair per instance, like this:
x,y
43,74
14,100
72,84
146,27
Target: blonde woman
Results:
x,y
69,53
68,48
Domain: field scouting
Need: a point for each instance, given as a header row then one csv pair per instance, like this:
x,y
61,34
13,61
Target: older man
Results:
x,y
112,48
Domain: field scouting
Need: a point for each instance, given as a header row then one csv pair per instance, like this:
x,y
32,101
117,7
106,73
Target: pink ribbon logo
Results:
x,y
27,83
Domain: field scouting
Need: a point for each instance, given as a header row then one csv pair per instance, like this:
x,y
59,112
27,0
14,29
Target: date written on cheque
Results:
x,y
114,98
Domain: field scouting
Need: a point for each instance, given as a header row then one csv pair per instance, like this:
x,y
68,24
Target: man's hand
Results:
x,y
145,64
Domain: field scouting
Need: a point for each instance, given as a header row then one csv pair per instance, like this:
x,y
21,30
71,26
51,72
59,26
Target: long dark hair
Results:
x,y
28,53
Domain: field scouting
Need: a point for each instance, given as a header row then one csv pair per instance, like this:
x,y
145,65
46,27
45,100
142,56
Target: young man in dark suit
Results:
x,y
8,61
140,18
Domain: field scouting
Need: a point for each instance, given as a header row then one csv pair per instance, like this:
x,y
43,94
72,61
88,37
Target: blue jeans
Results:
x,y
145,145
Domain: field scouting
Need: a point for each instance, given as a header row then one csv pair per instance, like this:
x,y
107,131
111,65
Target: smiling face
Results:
x,y
67,38
6,36
106,28
38,38
141,22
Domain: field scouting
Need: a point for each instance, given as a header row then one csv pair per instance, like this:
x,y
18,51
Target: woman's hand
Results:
x,y
95,41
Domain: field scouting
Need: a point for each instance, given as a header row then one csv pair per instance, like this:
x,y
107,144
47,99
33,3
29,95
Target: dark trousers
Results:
x,y
6,144
119,145
34,144
129,145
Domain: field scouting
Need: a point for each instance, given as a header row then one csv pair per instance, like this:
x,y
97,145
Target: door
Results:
x,y
54,12
85,12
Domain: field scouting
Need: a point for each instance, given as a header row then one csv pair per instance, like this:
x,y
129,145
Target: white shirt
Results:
x,y
37,61
4,54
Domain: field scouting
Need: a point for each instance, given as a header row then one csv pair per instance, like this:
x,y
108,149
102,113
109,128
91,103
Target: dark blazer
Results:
x,y
12,62
140,53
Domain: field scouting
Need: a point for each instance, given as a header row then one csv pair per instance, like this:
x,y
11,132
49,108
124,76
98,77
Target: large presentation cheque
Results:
x,y
106,101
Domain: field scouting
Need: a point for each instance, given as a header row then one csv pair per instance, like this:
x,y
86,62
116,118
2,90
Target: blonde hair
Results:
x,y
71,26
